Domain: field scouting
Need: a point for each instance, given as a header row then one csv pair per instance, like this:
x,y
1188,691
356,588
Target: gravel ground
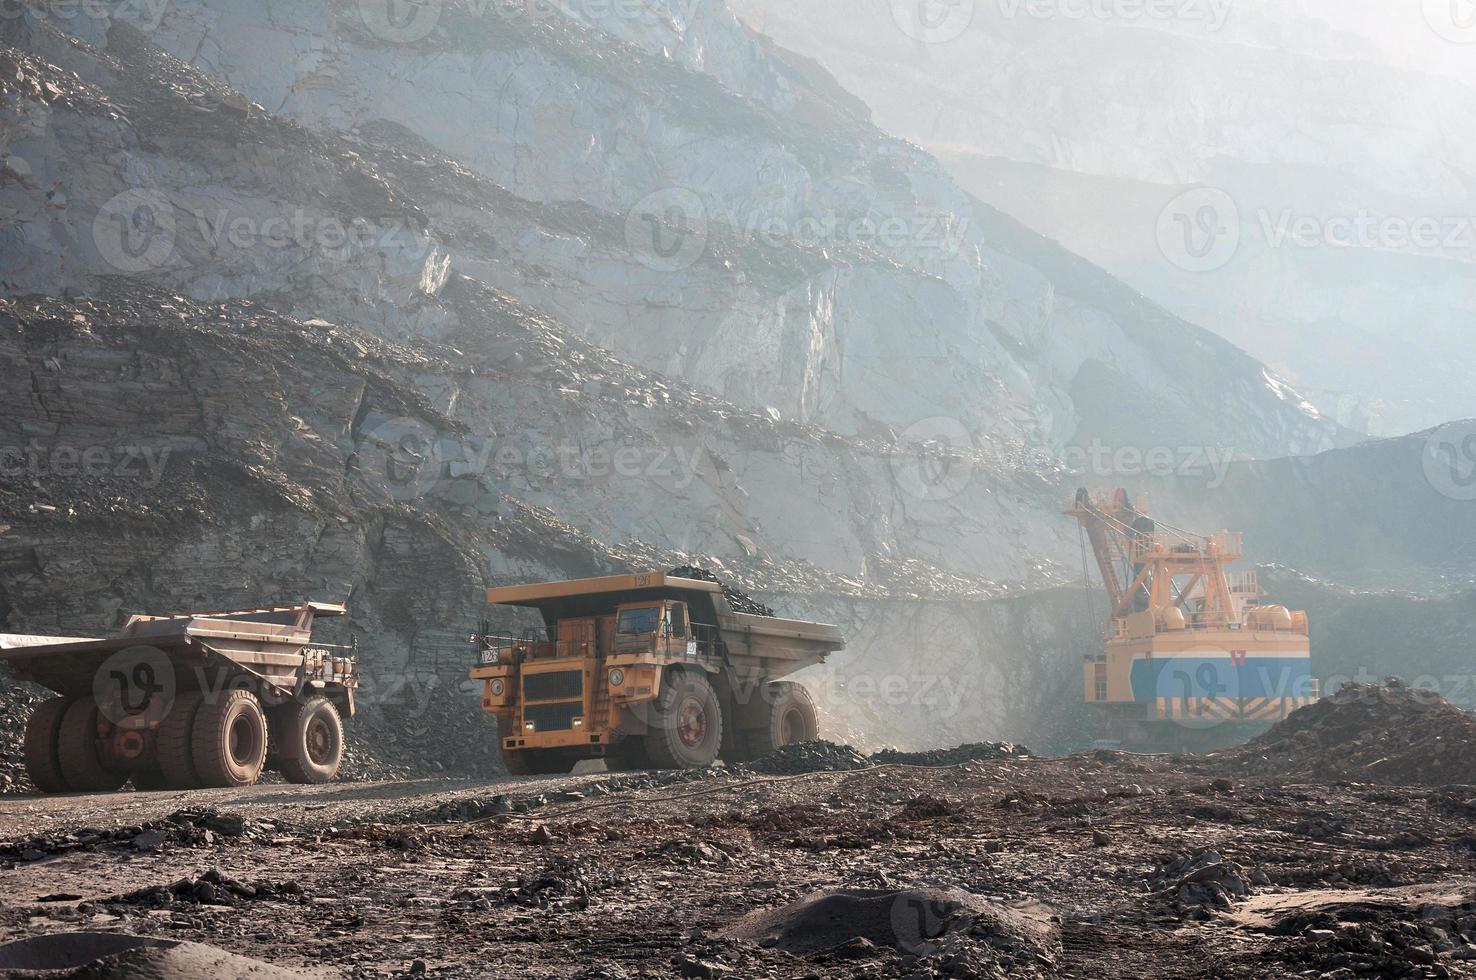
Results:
x,y
1117,865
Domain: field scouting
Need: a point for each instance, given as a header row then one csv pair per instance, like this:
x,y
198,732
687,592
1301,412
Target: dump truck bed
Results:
x,y
193,645
779,646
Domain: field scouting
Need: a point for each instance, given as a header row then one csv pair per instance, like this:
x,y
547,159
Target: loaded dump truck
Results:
x,y
645,670
188,701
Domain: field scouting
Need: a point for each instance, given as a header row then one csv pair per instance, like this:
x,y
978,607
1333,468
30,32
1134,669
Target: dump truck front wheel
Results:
x,y
307,737
77,751
230,743
40,750
789,717
687,730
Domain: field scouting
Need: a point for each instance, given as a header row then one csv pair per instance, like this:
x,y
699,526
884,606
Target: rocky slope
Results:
x,y
1090,122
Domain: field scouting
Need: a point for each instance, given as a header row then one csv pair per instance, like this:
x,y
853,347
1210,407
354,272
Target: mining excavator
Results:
x,y
1194,655
649,670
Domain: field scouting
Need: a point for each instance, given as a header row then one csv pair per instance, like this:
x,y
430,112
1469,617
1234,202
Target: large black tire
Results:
x,y
786,715
686,731
230,740
42,733
175,743
538,762
307,739
78,751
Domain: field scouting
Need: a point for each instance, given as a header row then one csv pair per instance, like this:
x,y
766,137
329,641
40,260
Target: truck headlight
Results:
x,y
528,726
578,722
617,677
498,687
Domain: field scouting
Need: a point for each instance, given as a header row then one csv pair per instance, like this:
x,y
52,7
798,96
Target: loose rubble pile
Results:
x,y
805,757
211,888
1198,883
1378,733
950,757
823,756
1367,940
199,827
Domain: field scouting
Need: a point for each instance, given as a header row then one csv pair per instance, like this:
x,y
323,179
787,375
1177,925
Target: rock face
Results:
x,y
1089,122
299,303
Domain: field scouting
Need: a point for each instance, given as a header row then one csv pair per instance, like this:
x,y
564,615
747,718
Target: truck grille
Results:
x,y
553,717
553,686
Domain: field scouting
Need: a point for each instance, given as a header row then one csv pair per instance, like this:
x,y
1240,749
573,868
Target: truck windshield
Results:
x,y
637,621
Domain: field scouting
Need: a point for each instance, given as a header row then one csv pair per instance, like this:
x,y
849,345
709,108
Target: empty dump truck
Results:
x,y
645,670
189,701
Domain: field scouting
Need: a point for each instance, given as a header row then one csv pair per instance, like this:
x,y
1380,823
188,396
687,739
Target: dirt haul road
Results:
x,y
1098,865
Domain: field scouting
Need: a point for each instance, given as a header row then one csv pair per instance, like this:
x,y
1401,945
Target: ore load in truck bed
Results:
x,y
740,602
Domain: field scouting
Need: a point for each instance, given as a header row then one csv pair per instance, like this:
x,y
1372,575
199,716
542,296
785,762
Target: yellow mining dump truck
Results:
x,y
647,670
188,701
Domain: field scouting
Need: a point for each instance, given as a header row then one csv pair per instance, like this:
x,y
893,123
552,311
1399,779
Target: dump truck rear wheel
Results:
x,y
688,728
175,743
77,751
230,741
42,733
308,741
791,718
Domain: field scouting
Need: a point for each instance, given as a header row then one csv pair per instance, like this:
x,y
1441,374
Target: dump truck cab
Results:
x,y
644,670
